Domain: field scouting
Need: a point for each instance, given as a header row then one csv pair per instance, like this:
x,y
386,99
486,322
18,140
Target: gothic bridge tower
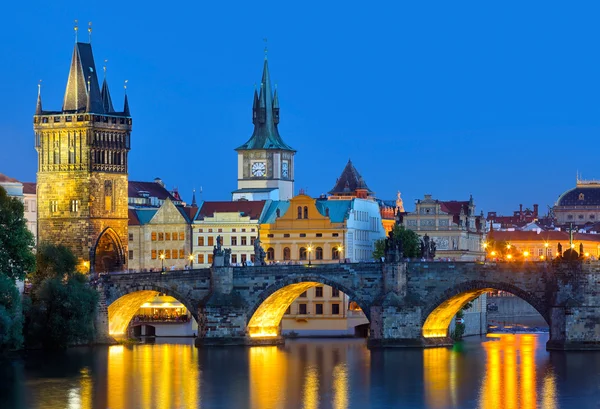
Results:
x,y
82,169
265,161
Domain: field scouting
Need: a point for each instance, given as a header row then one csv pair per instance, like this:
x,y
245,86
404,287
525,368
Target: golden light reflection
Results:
x,y
340,387
437,323
510,380
266,319
311,388
439,375
268,374
121,311
166,376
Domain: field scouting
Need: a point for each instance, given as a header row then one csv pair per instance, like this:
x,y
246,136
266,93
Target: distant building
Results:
x,y
453,225
265,161
24,191
519,218
579,205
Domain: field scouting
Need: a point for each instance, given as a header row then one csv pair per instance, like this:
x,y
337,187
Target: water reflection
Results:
x,y
503,372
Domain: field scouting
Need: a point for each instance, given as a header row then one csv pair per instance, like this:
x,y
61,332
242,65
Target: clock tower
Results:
x,y
265,162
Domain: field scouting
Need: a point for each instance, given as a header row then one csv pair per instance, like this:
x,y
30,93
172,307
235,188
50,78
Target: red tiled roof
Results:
x,y
190,212
248,208
6,179
551,235
29,188
133,219
453,207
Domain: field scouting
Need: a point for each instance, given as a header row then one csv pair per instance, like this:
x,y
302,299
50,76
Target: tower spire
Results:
x,y
194,204
38,107
105,94
76,28
126,103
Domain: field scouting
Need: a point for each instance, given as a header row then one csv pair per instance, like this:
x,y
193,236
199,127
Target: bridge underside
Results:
x,y
121,311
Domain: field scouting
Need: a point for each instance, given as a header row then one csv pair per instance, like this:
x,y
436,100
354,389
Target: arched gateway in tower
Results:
x,y
82,169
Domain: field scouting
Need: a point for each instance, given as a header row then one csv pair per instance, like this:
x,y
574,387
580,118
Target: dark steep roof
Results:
x,y
29,188
265,117
83,69
154,190
582,195
349,181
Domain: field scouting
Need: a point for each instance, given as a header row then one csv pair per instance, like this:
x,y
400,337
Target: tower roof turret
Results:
x,y
105,94
349,181
265,117
83,70
38,106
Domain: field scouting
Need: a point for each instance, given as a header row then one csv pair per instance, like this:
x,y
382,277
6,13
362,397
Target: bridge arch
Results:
x,y
127,301
438,313
269,307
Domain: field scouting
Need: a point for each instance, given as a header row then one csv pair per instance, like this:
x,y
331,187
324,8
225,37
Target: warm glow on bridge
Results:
x,y
438,321
265,321
122,310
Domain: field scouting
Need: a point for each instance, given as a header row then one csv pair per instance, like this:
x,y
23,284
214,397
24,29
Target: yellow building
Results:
x,y
539,246
159,238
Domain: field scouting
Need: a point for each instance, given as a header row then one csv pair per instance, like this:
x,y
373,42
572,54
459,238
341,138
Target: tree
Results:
x,y
53,261
62,313
379,249
411,242
11,317
16,241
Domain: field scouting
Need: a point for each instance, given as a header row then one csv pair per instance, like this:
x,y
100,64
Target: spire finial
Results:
x,y
266,49
125,86
90,32
38,107
39,87
105,61
76,28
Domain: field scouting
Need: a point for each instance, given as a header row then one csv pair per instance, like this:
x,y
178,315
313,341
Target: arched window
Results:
x,y
287,254
318,253
299,212
270,254
581,196
302,253
335,254
306,212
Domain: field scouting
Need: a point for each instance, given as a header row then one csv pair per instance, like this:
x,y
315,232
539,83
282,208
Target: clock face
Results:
x,y
284,170
259,169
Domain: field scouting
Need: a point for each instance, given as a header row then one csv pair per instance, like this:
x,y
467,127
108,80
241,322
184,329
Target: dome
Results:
x,y
582,195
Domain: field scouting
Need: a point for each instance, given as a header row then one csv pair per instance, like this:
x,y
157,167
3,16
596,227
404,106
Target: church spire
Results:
x,y
194,204
83,69
105,94
265,117
126,103
38,106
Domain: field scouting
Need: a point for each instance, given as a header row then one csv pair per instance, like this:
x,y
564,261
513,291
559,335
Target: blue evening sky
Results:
x,y
496,99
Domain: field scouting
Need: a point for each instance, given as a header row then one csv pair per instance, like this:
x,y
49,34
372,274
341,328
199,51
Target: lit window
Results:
x,y
74,206
53,206
244,240
234,241
153,256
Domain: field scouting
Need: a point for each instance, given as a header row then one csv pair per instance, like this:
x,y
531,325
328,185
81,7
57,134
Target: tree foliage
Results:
x,y
62,313
53,261
16,241
411,242
379,249
11,317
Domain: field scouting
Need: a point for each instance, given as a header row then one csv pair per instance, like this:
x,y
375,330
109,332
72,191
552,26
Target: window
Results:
x,y
319,235
302,234
302,309
270,254
234,259
174,235
210,259
233,230
302,253
26,206
201,258
288,311
161,236
74,206
220,230
303,295
580,217
299,212
252,239
108,195
335,292
319,309
286,235
570,217
335,309
252,258
210,230
252,230
287,254
181,254
334,234
319,253
581,196
244,258
306,212
233,240
592,216
167,236
243,230
71,155
200,230
130,236
335,253
174,254
211,241
244,240
130,254
167,254
153,236
319,292
153,256
181,235
200,241
270,236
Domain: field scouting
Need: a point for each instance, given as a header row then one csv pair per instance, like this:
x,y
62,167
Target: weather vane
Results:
x,y
266,49
76,28
125,86
90,32
105,61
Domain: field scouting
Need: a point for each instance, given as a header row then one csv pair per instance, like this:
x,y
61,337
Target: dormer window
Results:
x,y
581,196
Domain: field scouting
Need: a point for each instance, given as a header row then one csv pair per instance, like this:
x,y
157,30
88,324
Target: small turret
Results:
x,y
38,106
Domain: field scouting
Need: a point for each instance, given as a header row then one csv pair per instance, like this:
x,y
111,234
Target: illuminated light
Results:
x,y
508,246
265,320
572,245
485,245
587,254
557,254
509,256
541,257
311,388
526,253
268,374
546,245
493,253
438,374
162,256
437,323
191,257
340,386
121,311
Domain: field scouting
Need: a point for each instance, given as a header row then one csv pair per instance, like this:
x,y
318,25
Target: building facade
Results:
x,y
82,169
579,206
453,225
265,161
24,191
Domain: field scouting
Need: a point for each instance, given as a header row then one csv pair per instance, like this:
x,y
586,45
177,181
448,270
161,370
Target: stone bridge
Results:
x,y
407,304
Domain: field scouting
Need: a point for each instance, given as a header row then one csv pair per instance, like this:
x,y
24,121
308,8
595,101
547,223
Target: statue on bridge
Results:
x,y
393,248
259,253
428,248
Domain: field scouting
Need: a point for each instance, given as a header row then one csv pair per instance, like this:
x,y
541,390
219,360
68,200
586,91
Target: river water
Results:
x,y
495,372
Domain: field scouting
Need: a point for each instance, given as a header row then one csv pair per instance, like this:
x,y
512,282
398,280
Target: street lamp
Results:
x,y
162,261
86,264
309,249
340,248
191,258
525,254
509,256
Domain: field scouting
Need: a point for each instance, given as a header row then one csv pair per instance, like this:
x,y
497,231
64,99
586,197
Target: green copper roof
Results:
x,y
338,209
265,117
